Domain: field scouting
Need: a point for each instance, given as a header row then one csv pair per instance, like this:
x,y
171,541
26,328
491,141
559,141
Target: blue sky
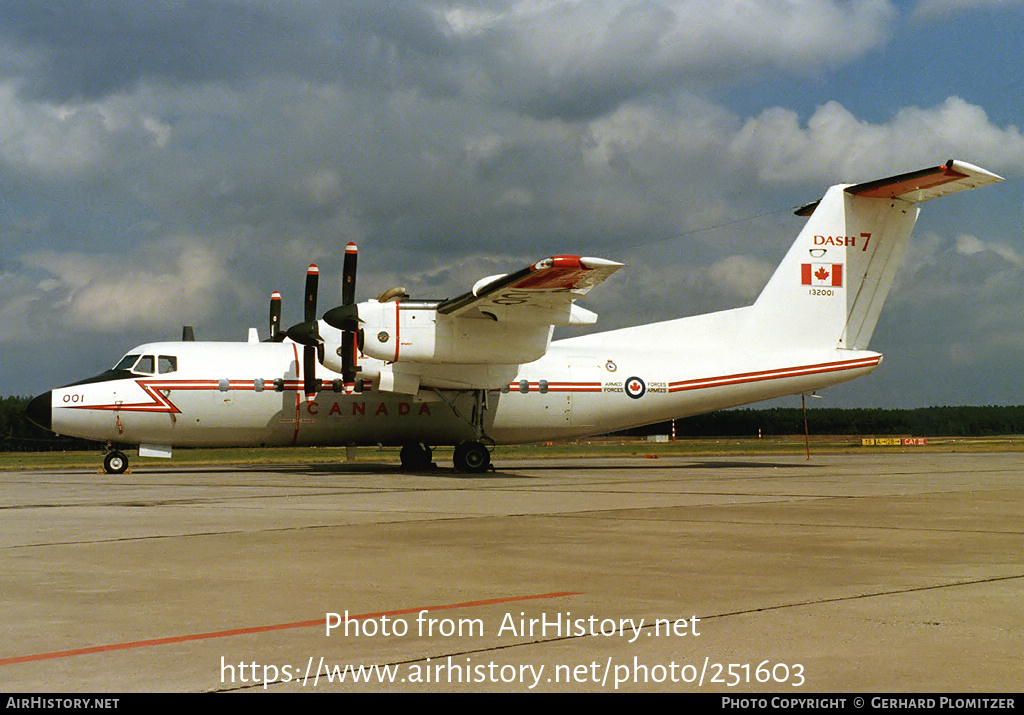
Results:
x,y
172,163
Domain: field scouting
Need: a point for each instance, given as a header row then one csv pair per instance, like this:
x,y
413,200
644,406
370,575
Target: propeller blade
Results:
x,y
312,284
310,382
348,275
314,344
348,357
348,321
276,335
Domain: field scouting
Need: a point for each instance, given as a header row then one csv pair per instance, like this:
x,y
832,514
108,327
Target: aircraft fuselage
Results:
x,y
236,394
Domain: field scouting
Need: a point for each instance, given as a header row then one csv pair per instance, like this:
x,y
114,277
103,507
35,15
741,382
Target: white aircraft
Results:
x,y
481,369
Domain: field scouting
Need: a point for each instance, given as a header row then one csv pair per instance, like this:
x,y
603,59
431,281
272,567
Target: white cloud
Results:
x,y
571,58
837,144
968,245
958,300
741,277
572,36
321,188
690,125
58,141
172,285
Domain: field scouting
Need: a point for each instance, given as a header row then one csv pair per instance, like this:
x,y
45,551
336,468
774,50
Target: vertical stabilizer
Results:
x,y
830,288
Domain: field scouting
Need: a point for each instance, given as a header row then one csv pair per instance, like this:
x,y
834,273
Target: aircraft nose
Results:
x,y
38,410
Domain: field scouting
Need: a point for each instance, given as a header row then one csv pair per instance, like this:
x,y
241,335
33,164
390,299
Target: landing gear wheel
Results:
x,y
416,457
115,462
472,457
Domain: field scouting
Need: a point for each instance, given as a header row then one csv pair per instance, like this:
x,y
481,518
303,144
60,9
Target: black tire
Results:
x,y
472,457
115,462
416,457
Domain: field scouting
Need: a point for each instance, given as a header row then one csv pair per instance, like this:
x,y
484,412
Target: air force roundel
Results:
x,y
635,388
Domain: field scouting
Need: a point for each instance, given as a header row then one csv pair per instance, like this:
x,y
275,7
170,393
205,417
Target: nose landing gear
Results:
x,y
115,462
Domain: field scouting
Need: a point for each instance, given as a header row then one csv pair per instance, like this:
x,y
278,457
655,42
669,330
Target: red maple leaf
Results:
x,y
821,274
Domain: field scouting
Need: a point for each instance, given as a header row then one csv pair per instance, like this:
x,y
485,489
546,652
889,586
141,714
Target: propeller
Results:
x,y
307,333
345,317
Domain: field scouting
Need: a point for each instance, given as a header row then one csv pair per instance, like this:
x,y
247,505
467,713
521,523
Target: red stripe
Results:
x,y
722,380
298,402
162,404
561,386
275,627
778,374
397,314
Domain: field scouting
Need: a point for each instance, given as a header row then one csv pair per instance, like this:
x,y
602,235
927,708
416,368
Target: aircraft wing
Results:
x,y
543,292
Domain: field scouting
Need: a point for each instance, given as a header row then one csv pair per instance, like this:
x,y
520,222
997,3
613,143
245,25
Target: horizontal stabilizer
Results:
x,y
927,184
917,186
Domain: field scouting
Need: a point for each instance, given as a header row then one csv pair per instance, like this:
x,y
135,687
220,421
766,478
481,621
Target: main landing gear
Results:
x,y
470,457
416,457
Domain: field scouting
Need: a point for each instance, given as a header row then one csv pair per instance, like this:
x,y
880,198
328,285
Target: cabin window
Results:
x,y
145,365
167,363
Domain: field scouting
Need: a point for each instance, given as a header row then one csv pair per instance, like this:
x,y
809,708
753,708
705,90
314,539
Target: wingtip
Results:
x,y
592,262
972,170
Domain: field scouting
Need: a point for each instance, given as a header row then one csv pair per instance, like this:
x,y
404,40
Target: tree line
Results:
x,y
18,434
949,421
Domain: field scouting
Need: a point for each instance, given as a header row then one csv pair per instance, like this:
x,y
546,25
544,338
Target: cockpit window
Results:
x,y
148,364
126,362
167,363
145,365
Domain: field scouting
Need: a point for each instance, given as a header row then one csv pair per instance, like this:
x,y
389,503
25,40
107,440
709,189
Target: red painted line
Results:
x,y
778,374
160,403
398,315
298,401
560,387
564,273
574,387
721,381
276,627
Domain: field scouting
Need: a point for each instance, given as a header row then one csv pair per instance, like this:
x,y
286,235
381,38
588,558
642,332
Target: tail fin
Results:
x,y
830,287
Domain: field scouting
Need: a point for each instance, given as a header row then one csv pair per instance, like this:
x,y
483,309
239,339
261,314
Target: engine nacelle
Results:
x,y
413,331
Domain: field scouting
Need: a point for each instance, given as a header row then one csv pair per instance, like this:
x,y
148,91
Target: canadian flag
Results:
x,y
822,274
